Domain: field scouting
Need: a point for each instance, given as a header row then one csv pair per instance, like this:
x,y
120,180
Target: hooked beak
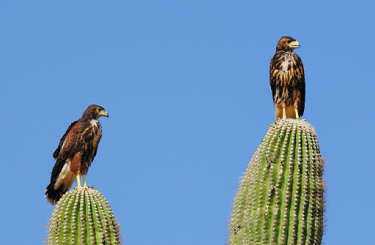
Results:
x,y
104,113
294,44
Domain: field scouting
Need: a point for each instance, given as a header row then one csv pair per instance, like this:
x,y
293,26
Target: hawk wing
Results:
x,y
57,151
273,76
67,148
300,84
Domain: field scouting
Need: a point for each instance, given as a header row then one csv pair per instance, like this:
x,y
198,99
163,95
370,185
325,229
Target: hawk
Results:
x,y
287,80
75,153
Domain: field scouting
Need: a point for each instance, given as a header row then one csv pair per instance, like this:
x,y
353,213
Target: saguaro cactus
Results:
x,y
83,216
280,199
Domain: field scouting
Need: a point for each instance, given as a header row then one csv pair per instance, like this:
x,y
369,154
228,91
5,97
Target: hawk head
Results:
x,y
94,112
287,43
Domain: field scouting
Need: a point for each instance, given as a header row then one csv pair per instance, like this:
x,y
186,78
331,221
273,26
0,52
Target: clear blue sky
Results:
x,y
186,86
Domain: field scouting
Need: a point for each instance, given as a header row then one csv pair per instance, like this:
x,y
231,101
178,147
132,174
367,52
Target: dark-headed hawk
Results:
x,y
287,80
75,153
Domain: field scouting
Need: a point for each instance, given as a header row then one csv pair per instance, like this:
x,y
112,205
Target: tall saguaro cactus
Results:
x,y
83,216
281,196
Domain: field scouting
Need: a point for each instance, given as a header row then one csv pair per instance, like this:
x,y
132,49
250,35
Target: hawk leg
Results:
x,y
296,109
84,181
284,112
78,181
297,116
79,186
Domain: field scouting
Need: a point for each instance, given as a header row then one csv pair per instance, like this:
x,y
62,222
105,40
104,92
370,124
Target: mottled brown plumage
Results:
x,y
287,80
75,153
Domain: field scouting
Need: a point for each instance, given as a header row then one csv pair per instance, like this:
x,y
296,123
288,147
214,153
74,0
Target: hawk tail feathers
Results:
x,y
53,195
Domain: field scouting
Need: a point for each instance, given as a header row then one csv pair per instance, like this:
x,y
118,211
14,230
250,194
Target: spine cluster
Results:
x,y
281,196
83,216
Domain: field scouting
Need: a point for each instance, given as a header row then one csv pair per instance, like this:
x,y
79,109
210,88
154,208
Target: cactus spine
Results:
x,y
280,198
83,216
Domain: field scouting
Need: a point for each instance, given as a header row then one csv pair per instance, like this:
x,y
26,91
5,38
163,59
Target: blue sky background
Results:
x,y
187,89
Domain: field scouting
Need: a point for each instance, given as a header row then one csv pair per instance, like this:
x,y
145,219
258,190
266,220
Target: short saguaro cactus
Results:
x,y
281,196
83,216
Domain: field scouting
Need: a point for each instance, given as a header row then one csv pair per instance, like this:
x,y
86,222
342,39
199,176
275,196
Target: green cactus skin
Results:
x,y
281,196
83,216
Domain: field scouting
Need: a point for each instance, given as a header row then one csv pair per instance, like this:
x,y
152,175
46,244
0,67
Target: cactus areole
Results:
x,y
83,216
281,196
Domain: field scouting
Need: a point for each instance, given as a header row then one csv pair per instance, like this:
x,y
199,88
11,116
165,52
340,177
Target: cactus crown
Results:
x,y
280,198
83,216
